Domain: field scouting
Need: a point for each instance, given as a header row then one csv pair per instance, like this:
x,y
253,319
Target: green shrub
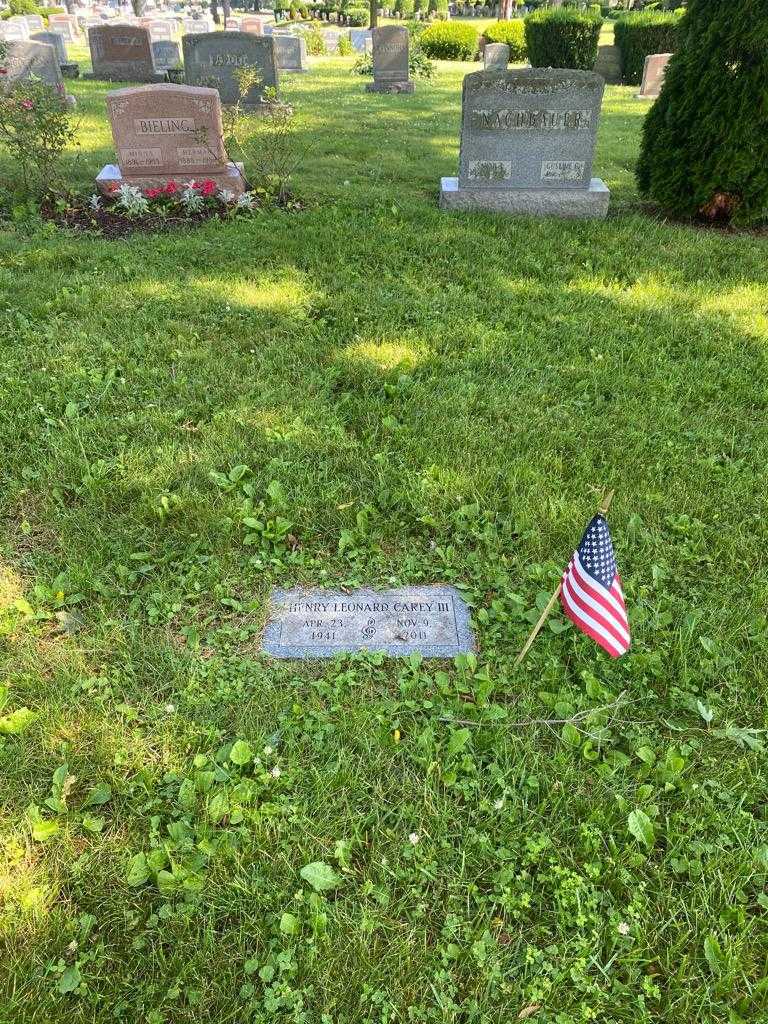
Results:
x,y
419,65
407,8
450,40
22,7
637,35
704,150
345,48
44,12
562,38
358,16
314,40
595,9
512,33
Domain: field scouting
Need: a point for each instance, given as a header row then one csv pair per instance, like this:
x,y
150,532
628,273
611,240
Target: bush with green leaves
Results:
x,y
419,65
358,15
35,128
637,35
705,140
450,40
513,34
315,41
562,38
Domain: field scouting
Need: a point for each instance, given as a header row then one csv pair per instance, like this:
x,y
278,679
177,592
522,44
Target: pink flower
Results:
x,y
171,187
28,104
208,187
152,193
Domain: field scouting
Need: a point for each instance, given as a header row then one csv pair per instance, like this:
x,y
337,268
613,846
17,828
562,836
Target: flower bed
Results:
x,y
129,209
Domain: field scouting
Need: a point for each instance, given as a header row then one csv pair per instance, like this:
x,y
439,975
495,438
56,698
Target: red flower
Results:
x,y
152,193
28,104
171,187
208,187
113,186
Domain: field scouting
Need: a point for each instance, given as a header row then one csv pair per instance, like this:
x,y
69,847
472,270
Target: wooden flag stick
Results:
x,y
605,504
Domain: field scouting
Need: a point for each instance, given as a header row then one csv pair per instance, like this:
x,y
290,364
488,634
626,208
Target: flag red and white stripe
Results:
x,y
591,593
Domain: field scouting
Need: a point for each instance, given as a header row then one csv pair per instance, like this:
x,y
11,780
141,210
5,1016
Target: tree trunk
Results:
x,y
506,7
226,11
215,11
374,13
138,7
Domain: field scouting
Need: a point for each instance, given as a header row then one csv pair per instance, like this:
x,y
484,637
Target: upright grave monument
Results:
x,y
69,69
27,60
212,60
253,25
654,69
122,53
66,24
390,60
495,57
166,54
527,144
164,133
291,53
321,624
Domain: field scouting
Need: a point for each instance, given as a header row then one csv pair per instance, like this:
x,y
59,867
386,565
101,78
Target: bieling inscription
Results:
x,y
321,624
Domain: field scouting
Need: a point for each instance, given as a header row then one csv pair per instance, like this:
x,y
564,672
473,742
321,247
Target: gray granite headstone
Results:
x,y
32,60
122,53
14,32
54,39
608,63
166,53
34,22
321,624
358,38
390,60
66,24
291,53
213,58
496,56
527,144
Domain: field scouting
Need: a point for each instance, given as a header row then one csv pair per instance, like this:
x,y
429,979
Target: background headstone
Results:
x,y
527,144
358,37
608,64
29,59
253,25
13,32
66,24
54,39
654,69
34,22
291,53
166,54
23,25
167,132
390,60
212,60
496,56
122,53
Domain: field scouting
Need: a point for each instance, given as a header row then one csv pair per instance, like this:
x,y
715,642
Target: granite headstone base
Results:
x,y
70,70
390,87
111,176
569,204
124,74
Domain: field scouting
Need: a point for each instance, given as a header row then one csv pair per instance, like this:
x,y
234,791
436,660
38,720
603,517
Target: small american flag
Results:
x,y
591,593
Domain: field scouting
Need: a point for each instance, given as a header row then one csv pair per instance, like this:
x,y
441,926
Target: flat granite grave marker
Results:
x,y
122,53
164,133
390,60
212,60
527,144
654,70
321,624
291,53
496,57
27,60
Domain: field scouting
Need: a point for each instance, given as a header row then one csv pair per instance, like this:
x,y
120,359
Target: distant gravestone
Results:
x,y
167,132
193,27
66,24
22,23
390,60
54,39
122,53
13,32
233,25
433,621
253,25
331,39
527,144
291,53
34,22
160,30
654,69
608,64
496,56
212,59
166,54
29,60
358,37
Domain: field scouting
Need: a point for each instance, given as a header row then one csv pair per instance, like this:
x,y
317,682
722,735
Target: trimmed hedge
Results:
x,y
562,38
513,34
449,40
637,35
31,8
705,139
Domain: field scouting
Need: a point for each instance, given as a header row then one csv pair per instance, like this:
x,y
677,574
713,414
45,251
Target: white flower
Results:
x,y
275,773
227,196
623,928
498,804
413,838
95,202
129,197
267,751
191,200
170,708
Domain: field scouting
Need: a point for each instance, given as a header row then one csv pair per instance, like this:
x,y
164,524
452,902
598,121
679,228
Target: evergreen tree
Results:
x,y
705,140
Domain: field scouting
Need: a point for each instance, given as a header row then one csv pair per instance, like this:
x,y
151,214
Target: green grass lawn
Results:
x,y
397,395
